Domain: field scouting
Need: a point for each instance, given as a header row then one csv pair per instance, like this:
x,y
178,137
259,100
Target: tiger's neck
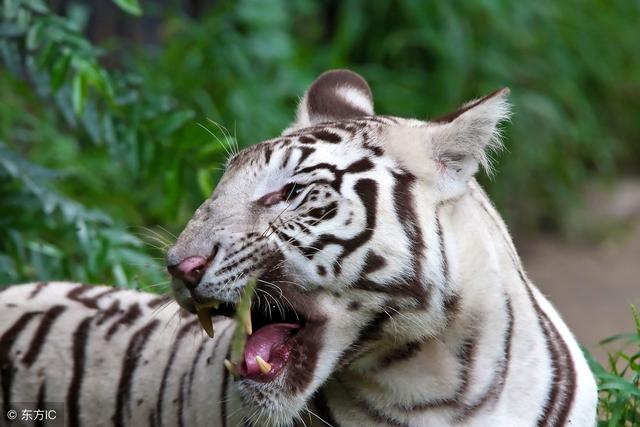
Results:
x,y
460,363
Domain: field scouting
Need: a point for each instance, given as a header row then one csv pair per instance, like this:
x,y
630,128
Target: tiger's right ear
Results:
x,y
335,95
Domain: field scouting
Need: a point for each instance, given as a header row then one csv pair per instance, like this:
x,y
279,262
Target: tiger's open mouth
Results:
x,y
276,329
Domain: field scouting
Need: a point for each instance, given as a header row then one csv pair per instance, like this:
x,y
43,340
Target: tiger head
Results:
x,y
337,220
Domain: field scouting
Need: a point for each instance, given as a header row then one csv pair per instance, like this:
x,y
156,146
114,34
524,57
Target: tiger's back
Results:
x,y
112,356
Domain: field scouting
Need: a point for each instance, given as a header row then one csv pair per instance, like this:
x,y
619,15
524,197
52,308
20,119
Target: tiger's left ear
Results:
x,y
335,95
449,150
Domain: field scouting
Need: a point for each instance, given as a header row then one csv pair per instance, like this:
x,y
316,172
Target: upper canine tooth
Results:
x,y
246,321
205,321
264,366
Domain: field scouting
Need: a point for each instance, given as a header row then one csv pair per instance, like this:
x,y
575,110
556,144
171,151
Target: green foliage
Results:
x,y
573,68
619,383
45,234
131,6
99,136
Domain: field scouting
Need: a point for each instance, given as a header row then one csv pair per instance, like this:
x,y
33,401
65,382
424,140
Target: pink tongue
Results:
x,y
262,341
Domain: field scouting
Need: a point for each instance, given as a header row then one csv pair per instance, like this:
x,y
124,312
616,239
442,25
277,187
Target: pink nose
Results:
x,y
189,270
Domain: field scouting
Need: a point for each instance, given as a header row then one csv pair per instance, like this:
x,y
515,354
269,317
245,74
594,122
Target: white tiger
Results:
x,y
389,294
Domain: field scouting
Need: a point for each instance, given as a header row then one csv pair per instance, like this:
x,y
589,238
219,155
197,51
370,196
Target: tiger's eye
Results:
x,y
291,191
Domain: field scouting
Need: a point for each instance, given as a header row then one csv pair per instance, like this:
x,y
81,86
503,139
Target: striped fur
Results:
x,y
115,357
416,308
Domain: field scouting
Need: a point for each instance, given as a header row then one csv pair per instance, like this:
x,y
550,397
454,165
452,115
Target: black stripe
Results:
x,y
444,262
181,400
570,388
398,288
111,311
127,319
129,365
323,410
7,369
451,304
157,302
286,157
42,398
192,371
359,166
225,376
223,392
399,354
496,387
367,190
369,333
41,333
305,152
404,204
167,367
267,153
78,356
327,136
465,355
36,289
370,411
554,385
561,395
563,382
77,294
373,262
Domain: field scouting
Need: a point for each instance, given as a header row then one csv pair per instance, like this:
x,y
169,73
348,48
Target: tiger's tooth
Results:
x,y
232,368
265,367
215,304
246,322
205,321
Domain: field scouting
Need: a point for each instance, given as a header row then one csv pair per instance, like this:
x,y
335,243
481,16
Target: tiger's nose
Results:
x,y
189,270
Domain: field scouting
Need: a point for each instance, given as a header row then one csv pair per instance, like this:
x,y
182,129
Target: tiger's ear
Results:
x,y
447,151
335,95
463,140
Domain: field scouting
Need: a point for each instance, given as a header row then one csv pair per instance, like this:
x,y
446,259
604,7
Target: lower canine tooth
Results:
x,y
232,368
265,367
205,321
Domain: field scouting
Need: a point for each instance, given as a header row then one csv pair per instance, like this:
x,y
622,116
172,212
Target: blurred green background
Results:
x,y
108,111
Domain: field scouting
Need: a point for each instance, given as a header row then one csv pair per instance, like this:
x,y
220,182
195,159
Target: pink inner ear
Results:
x,y
270,198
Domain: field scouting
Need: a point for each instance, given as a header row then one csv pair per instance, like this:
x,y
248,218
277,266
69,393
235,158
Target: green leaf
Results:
x,y
34,35
79,93
619,383
11,8
38,6
627,336
129,6
59,72
243,307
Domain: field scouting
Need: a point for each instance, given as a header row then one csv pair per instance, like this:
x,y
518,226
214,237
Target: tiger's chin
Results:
x,y
268,404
